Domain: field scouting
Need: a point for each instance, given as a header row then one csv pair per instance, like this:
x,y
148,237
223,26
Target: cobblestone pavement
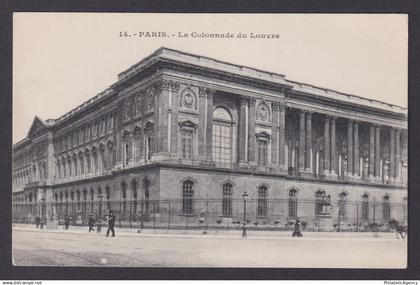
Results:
x,y
77,248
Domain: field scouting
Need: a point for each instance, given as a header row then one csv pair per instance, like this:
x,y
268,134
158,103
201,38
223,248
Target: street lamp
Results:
x,y
43,210
244,196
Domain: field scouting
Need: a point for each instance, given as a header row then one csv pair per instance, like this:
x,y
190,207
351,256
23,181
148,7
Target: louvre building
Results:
x,y
180,136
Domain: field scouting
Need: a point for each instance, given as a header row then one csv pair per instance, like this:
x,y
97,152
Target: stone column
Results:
x,y
350,148
209,126
162,109
202,124
333,147
327,144
397,154
174,117
356,159
274,133
308,148
242,129
392,155
372,152
302,140
377,152
251,132
282,136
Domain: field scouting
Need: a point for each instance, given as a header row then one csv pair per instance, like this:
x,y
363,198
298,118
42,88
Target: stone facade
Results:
x,y
176,117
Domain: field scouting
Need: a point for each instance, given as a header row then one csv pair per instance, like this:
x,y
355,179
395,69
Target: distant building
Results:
x,y
187,127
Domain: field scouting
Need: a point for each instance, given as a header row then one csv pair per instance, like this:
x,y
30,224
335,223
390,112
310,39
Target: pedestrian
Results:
x,y
37,219
91,223
99,226
66,222
296,231
111,223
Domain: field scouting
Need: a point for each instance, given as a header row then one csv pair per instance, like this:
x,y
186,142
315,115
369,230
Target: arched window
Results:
x,y
84,208
365,207
124,195
292,204
222,137
187,197
134,194
262,202
146,185
227,200
386,210
78,200
342,205
92,197
319,197
72,202
108,197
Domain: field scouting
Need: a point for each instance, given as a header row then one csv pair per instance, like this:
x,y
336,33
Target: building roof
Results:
x,y
164,53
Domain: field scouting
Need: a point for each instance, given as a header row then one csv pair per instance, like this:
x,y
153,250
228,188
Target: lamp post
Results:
x,y
43,210
244,196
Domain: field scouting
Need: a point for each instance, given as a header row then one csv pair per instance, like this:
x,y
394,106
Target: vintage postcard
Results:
x,y
210,140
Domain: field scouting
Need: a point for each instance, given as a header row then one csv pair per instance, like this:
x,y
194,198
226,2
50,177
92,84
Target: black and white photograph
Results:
x,y
210,140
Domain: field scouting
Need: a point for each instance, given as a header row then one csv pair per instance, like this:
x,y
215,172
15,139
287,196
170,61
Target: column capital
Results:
x,y
278,105
327,118
168,84
377,128
252,101
356,123
302,113
206,92
275,105
244,100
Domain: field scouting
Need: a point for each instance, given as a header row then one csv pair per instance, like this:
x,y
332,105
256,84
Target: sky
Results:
x,y
62,59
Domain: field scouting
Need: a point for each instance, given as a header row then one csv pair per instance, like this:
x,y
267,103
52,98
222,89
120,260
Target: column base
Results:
x,y
377,180
282,169
306,173
160,156
207,162
330,175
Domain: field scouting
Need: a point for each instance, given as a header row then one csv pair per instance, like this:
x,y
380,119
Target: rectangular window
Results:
x,y
262,152
292,208
342,209
386,212
222,144
187,139
365,211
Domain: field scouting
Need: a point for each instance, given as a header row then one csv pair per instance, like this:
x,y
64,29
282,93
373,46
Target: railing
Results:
x,y
263,214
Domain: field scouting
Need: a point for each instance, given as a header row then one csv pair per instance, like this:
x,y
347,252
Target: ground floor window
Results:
x,y
187,197
227,200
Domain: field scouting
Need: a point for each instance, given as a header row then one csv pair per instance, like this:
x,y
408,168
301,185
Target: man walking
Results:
x,y
111,223
296,231
91,223
66,222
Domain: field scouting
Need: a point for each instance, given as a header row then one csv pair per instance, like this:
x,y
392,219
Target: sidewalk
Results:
x,y
211,233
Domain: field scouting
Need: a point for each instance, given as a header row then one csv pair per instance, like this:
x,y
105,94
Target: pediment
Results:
x,y
37,126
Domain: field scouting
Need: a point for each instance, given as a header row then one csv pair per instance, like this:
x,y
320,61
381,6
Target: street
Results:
x,y
54,248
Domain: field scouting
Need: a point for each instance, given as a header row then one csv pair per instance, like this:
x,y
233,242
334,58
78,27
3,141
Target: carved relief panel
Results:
x,y
188,100
263,113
